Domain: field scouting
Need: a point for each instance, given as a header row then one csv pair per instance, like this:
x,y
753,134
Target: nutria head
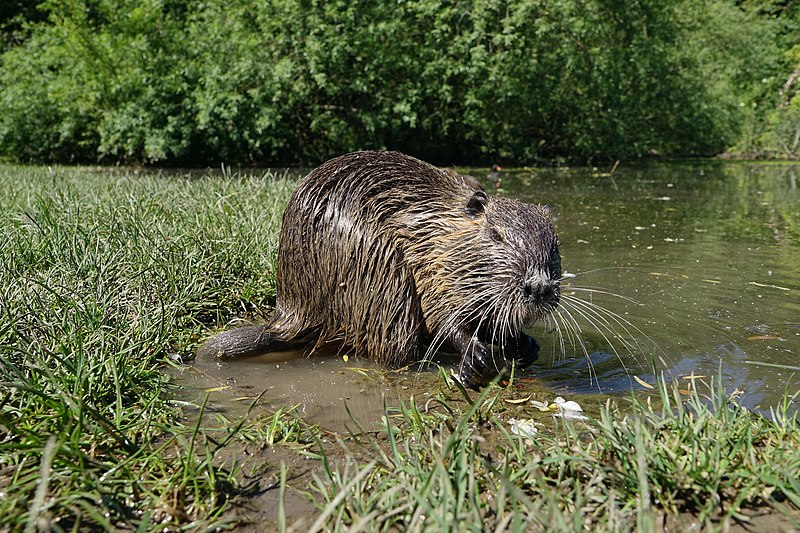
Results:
x,y
495,271
522,267
523,250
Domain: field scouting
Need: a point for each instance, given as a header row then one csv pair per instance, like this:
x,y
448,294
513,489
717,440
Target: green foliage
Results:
x,y
770,123
14,16
781,132
288,81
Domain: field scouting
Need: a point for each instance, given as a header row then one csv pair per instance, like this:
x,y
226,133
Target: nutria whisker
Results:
x,y
604,292
573,330
596,316
588,317
471,312
553,324
621,321
599,318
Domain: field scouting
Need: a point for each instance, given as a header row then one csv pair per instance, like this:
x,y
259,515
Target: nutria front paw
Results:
x,y
477,366
524,350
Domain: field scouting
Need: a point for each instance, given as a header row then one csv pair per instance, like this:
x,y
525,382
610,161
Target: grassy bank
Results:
x,y
106,275
680,458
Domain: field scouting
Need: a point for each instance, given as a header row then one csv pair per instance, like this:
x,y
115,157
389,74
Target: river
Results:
x,y
704,260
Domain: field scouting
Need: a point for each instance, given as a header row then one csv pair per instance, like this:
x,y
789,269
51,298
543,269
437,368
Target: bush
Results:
x,y
297,81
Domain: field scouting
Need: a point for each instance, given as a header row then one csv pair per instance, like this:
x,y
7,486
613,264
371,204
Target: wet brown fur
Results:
x,y
391,257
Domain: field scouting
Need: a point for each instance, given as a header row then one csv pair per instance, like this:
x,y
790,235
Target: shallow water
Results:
x,y
338,395
703,260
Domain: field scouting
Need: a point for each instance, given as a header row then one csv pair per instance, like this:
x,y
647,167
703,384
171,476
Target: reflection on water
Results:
x,y
704,259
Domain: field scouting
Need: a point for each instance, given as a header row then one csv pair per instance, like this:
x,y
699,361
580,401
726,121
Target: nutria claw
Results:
x,y
524,350
477,366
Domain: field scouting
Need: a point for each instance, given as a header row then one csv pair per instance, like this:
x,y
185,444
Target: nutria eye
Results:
x,y
495,235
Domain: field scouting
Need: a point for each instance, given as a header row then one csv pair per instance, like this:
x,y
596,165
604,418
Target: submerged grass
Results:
x,y
106,275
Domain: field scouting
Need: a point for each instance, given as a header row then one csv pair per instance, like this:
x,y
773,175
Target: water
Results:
x,y
702,259
708,253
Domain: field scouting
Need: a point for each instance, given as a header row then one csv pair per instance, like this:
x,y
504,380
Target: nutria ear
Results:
x,y
476,204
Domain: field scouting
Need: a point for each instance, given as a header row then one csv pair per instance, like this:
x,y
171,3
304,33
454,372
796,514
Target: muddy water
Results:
x,y
689,268
338,395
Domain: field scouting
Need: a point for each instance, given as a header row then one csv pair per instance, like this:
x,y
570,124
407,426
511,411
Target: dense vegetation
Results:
x,y
294,81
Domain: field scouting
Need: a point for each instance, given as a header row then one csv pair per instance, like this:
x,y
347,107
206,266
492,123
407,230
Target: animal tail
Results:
x,y
246,341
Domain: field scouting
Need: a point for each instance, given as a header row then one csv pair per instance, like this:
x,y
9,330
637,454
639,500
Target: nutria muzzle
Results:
x,y
542,292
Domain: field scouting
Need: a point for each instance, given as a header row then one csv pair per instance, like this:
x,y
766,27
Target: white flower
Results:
x,y
568,409
524,428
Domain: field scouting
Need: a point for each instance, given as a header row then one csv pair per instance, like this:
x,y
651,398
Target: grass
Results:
x,y
107,275
104,276
640,466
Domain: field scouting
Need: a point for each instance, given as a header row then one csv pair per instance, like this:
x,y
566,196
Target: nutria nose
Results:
x,y
540,291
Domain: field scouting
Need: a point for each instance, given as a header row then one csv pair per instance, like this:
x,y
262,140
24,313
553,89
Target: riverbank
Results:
x,y
108,276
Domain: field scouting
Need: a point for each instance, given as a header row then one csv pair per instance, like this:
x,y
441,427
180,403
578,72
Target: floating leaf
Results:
x,y
769,286
245,398
642,382
517,401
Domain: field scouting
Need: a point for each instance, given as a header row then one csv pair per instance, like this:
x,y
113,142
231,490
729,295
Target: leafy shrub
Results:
x,y
297,81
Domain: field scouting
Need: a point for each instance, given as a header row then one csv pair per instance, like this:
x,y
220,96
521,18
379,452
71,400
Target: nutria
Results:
x,y
390,257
